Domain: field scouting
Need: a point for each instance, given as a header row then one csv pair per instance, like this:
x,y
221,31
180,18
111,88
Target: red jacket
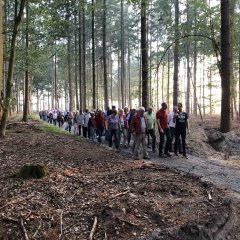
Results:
x,y
99,120
162,115
91,122
136,124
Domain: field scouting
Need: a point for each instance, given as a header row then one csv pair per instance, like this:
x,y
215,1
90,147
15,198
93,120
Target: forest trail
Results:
x,y
215,171
131,199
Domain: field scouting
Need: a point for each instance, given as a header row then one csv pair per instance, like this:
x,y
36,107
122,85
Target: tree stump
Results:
x,y
32,171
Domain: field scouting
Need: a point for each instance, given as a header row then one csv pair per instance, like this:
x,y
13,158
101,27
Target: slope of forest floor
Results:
x,y
130,199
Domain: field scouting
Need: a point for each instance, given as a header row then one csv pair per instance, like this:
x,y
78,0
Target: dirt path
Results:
x,y
223,173
215,171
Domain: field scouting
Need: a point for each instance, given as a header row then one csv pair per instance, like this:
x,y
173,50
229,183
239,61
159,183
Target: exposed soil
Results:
x,y
129,199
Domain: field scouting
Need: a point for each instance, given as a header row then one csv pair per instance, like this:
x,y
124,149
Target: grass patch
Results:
x,y
51,128
47,127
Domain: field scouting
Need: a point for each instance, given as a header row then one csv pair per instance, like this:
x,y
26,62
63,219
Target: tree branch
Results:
x,y
215,46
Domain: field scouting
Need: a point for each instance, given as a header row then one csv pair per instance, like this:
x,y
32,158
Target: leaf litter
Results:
x,y
92,192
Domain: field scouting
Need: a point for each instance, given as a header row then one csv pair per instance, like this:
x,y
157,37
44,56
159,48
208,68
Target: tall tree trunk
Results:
x,y
55,83
97,85
105,79
122,55
140,75
144,51
93,58
149,42
188,64
38,100
76,62
69,74
157,92
84,97
1,57
233,81
163,73
203,87
30,103
26,82
7,40
80,59
119,79
168,83
129,74
176,55
210,90
225,124
70,83
239,82
195,103
111,74
9,83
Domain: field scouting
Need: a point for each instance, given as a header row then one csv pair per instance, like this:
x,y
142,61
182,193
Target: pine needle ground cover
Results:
x,y
90,189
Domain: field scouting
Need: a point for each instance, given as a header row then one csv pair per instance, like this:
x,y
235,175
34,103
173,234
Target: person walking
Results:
x,y
79,119
70,121
55,115
60,119
151,119
163,128
123,128
100,123
139,129
86,117
172,125
182,125
91,126
129,118
112,126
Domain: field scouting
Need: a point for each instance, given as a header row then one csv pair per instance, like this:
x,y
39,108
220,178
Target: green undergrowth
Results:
x,y
50,128
47,127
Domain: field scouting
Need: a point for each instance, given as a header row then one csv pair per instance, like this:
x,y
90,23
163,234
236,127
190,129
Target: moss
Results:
x,y
32,171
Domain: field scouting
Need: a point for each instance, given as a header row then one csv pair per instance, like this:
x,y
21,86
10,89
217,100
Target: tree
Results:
x,y
93,57
1,54
105,79
176,55
188,63
18,16
123,93
225,124
144,51
84,97
26,82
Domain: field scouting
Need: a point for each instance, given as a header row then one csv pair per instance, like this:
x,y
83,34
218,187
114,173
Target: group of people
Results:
x,y
123,126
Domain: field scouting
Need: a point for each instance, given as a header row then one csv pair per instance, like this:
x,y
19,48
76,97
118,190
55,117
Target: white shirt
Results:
x,y
86,117
122,121
55,116
143,125
170,120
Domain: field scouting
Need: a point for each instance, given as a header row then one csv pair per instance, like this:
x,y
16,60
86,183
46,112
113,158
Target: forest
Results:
x,y
64,61
74,55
